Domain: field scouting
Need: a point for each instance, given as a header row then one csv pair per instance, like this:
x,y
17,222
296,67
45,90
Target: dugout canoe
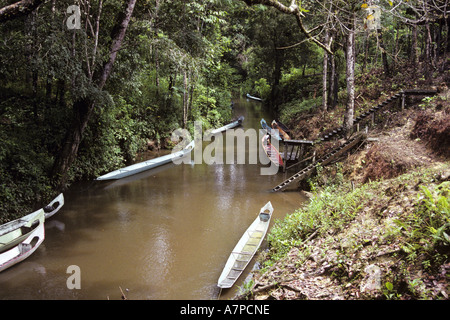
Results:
x,y
231,125
246,248
147,165
272,153
282,129
25,248
16,231
273,132
254,98
54,206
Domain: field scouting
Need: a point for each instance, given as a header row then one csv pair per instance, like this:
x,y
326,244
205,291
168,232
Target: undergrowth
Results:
x,y
422,227
327,211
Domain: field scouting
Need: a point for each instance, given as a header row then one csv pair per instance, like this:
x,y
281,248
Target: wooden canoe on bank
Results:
x,y
16,231
231,125
246,248
22,250
271,152
147,165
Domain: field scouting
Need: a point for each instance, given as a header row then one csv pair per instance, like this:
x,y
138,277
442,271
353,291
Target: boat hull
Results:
x,y
271,152
274,134
282,130
54,206
254,98
24,249
14,232
231,125
147,165
246,248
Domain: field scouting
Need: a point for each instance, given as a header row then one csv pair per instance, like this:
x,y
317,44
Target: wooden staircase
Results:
x,y
351,143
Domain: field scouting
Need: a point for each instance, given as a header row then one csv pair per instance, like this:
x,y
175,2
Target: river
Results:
x,y
164,234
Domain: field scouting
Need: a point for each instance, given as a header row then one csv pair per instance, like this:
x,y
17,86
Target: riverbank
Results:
x,y
378,223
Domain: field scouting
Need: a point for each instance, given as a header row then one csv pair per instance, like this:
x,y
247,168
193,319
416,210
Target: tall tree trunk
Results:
x,y
185,99
350,73
366,51
414,49
333,82
83,108
383,53
428,44
278,62
325,77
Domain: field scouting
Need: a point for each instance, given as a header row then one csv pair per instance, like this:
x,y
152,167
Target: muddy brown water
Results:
x,y
164,234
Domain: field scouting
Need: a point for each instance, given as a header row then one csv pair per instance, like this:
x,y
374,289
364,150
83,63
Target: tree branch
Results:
x,y
18,9
294,10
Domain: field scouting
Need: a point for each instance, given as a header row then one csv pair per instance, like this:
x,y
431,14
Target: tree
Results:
x,y
296,11
84,106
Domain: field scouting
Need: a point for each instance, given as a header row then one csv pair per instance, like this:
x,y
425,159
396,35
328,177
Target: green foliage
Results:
x,y
429,225
333,208
290,109
262,88
46,68
24,160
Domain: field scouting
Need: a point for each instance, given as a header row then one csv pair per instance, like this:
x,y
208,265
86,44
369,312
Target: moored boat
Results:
x,y
246,248
25,248
282,129
54,206
254,98
231,125
273,132
147,165
271,152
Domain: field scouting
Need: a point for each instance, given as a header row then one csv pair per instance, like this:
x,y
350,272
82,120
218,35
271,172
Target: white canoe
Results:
x,y
246,248
253,98
16,231
25,248
54,206
231,125
147,165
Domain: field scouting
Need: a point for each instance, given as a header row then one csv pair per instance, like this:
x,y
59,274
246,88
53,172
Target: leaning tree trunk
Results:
x,y
83,108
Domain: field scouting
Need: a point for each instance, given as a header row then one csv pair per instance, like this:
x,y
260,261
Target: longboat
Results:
x,y
22,250
246,248
231,125
254,98
14,232
282,129
272,153
270,130
147,165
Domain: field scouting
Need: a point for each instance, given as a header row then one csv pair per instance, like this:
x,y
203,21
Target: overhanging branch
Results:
x,y
18,9
294,10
